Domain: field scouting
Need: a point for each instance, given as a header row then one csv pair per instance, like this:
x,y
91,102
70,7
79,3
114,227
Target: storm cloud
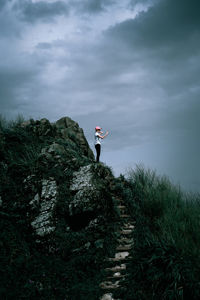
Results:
x,y
130,66
42,10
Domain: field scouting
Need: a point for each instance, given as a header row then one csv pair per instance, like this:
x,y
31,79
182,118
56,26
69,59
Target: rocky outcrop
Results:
x,y
84,206
69,129
57,210
65,161
65,129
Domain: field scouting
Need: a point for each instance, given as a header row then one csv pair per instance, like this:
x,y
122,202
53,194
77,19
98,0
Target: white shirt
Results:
x,y
97,138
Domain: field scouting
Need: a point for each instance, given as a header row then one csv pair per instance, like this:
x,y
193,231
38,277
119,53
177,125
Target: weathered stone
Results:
x,y
44,230
107,297
49,189
43,223
66,122
35,200
84,192
82,179
121,255
67,128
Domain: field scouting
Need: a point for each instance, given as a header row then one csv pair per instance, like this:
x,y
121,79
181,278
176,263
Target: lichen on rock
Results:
x,y
84,191
43,223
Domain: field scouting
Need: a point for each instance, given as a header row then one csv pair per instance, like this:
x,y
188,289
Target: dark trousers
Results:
x,y
98,150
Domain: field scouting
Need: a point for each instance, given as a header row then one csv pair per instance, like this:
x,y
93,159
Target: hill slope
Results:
x,y
62,225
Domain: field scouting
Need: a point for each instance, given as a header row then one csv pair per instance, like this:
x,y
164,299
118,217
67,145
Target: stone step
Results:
x,y
121,207
108,296
114,277
109,285
129,225
124,216
125,231
122,254
124,224
125,241
116,268
119,257
126,220
127,228
124,247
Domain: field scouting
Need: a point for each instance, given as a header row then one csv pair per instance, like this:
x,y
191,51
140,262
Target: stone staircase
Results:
x,y
116,272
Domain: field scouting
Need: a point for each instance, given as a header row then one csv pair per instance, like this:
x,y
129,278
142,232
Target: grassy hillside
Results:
x,y
67,263
166,255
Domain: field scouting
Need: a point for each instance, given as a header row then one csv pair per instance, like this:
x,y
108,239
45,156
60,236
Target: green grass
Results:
x,y
5,124
166,255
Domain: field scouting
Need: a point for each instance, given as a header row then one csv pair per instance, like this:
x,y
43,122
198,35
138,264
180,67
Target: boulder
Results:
x,y
83,190
70,129
67,122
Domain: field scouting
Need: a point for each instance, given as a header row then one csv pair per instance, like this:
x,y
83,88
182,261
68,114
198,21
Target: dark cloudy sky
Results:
x,y
130,66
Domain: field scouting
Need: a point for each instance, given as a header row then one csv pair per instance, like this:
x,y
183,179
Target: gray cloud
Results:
x,y
41,11
96,6
2,4
17,85
44,46
133,3
162,24
10,27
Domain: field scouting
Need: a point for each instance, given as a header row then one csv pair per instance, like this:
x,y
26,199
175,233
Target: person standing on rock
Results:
x,y
98,136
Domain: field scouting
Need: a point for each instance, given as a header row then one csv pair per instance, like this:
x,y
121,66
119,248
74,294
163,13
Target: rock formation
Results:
x,y
58,203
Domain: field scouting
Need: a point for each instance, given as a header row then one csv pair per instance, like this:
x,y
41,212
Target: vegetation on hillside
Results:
x,y
67,264
166,252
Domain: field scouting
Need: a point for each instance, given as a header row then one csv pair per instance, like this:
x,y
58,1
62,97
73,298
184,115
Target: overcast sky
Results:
x,y
130,66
